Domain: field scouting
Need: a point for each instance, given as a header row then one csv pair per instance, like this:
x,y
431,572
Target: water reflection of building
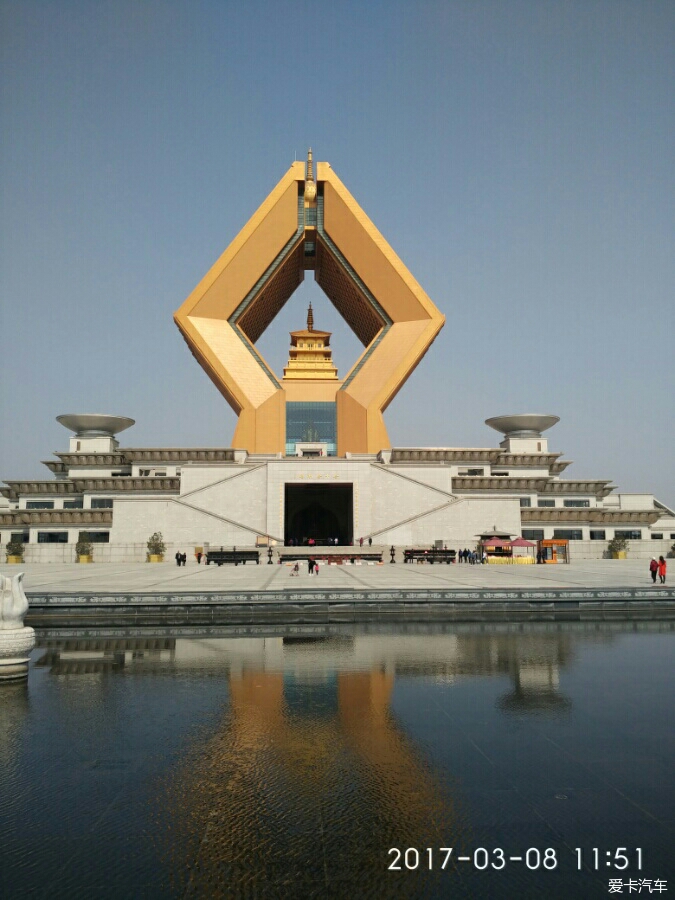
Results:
x,y
531,660
307,747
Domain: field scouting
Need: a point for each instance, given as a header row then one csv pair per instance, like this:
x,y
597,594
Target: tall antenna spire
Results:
x,y
310,318
310,184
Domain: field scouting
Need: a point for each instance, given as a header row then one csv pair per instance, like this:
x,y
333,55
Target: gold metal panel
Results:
x,y
253,385
384,368
262,238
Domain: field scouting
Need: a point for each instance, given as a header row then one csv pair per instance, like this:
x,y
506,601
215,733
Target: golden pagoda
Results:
x,y
310,356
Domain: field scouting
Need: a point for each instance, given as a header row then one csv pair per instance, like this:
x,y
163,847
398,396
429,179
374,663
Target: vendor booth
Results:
x,y
553,551
497,550
523,552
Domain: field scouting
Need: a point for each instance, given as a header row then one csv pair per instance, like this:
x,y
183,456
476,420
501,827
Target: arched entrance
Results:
x,y
321,512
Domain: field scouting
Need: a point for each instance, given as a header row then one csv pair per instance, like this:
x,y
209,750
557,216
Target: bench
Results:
x,y
218,557
430,556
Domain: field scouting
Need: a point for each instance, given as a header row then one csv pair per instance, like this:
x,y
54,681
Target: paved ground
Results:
x,y
168,578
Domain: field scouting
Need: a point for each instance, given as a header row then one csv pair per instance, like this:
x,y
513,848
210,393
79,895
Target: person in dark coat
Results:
x,y
178,557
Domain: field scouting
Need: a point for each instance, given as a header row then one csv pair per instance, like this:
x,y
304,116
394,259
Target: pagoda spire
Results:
x,y
310,317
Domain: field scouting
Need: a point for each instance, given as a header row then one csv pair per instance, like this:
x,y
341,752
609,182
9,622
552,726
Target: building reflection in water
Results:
x,y
307,769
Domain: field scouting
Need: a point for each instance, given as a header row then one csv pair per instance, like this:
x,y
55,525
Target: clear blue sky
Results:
x,y
518,156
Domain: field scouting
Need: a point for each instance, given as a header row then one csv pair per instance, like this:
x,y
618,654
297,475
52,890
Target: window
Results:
x,y
525,501
20,536
570,534
500,474
52,537
629,535
309,422
546,503
533,534
657,537
159,474
101,503
143,472
672,536
95,537
40,504
597,535
471,471
73,504
580,504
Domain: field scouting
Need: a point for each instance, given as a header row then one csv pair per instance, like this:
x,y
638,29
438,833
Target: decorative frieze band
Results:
x,y
150,455
125,483
594,515
494,456
496,483
540,485
597,487
66,517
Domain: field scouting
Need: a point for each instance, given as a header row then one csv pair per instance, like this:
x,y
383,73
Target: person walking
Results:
x,y
653,569
178,557
370,542
662,570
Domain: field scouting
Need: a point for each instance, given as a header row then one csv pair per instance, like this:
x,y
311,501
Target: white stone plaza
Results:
x,y
167,578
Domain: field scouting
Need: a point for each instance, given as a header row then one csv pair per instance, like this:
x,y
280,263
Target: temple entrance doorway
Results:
x,y
321,512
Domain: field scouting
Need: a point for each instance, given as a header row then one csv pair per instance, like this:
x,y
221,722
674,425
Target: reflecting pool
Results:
x,y
523,760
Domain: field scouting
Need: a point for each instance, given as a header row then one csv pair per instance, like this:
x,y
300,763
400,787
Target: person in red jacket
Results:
x,y
653,568
662,570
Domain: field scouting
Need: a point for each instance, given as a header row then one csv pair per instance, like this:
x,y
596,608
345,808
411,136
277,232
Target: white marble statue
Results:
x,y
13,602
16,640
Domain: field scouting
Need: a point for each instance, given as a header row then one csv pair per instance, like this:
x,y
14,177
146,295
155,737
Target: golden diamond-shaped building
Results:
x,y
309,223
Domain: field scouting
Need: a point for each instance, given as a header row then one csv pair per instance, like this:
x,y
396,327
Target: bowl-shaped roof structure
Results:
x,y
522,425
94,424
